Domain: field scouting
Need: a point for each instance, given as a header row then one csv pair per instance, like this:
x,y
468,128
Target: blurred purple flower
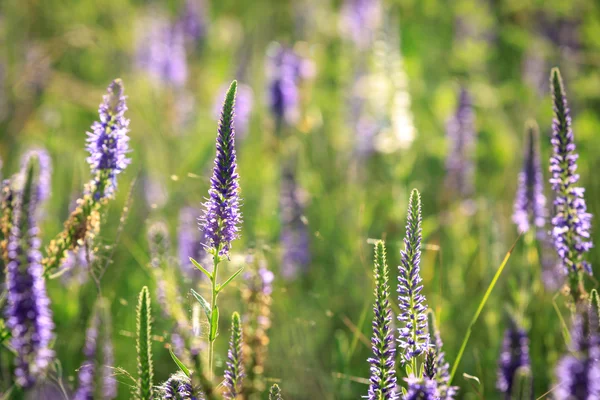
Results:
x,y
28,314
460,131
190,243
514,355
192,21
243,107
530,202
44,174
571,221
87,371
161,51
76,266
578,372
108,143
295,239
360,20
285,70
87,375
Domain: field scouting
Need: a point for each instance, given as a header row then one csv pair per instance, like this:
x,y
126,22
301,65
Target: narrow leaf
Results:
x,y
201,268
181,366
214,324
232,277
484,300
203,303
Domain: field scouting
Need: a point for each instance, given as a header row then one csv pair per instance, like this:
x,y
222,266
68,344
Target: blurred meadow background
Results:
x,y
373,92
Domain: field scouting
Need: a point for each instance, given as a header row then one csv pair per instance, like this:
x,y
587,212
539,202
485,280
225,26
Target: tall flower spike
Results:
x,y
383,375
144,347
28,314
461,135
571,221
413,335
530,202
108,143
108,146
275,393
514,355
234,372
222,216
243,108
578,372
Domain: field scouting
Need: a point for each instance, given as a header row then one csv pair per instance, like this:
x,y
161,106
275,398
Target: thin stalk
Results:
x,y
213,303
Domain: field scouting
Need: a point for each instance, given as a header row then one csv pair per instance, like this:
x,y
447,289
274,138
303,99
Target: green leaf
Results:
x,y
232,277
181,366
201,268
214,325
484,300
595,303
472,377
144,347
205,304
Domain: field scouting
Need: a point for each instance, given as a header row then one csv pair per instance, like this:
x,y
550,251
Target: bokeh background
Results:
x,y
374,97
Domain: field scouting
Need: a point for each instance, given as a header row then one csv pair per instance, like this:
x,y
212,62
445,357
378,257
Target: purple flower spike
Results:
x,y
243,108
413,335
28,314
530,202
108,143
383,373
234,372
514,355
571,221
295,239
461,135
578,372
222,215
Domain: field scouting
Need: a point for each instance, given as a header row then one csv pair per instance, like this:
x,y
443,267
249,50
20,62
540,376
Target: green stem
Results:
x,y
213,303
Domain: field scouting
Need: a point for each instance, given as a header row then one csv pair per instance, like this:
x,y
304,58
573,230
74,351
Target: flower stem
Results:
x,y
213,303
